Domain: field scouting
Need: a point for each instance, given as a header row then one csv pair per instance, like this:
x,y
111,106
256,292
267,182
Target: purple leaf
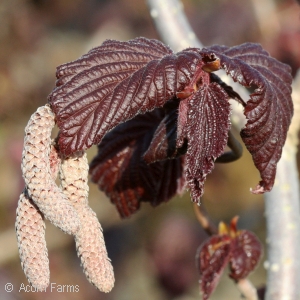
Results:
x,y
207,132
124,176
246,251
213,256
113,83
269,110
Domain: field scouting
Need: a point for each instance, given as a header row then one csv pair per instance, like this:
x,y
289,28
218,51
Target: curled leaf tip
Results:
x,y
259,189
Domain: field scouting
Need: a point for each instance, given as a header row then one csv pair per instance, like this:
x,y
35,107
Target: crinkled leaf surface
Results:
x,y
246,251
113,83
269,110
207,132
120,171
213,256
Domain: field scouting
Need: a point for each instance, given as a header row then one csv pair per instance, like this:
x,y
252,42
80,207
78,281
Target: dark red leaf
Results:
x,y
113,83
212,258
246,250
269,110
207,132
124,176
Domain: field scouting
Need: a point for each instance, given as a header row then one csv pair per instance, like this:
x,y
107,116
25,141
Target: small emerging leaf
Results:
x,y
246,251
241,249
213,256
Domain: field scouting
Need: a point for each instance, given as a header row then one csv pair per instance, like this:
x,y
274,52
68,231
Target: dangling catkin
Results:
x,y
36,169
89,238
30,229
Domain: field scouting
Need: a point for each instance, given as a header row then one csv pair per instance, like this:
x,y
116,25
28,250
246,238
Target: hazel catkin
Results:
x,y
36,169
89,239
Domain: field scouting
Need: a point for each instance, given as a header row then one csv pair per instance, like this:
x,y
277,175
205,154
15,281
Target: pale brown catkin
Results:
x,y
89,238
36,169
30,229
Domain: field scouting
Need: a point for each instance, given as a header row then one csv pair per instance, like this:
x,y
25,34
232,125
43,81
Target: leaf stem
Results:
x,y
204,220
247,289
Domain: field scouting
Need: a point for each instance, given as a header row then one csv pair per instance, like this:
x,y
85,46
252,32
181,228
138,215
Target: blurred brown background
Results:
x,y
152,252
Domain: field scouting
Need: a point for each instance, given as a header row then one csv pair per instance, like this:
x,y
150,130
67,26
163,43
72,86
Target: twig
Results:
x,y
247,289
175,30
204,220
172,24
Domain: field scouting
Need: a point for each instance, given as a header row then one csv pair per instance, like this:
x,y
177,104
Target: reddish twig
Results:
x,y
204,220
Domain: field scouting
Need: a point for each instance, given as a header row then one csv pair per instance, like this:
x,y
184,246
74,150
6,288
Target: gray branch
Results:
x,y
172,24
282,204
283,219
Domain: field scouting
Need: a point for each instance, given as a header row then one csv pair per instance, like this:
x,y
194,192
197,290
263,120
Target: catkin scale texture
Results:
x,y
89,238
37,173
30,229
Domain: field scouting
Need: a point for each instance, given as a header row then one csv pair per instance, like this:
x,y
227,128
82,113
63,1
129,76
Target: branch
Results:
x,y
173,27
282,217
172,24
